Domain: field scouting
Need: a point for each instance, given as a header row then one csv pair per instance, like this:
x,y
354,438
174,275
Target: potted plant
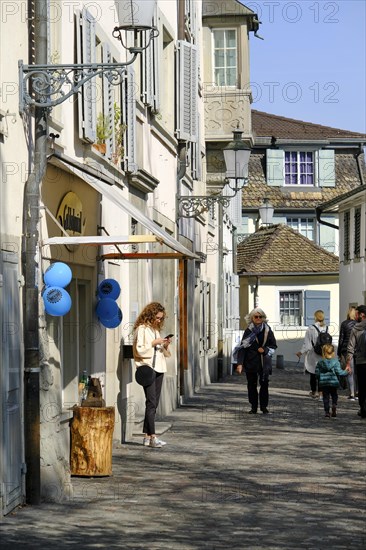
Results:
x,y
104,132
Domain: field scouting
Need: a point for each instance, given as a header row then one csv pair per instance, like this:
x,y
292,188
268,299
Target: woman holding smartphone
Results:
x,y
149,348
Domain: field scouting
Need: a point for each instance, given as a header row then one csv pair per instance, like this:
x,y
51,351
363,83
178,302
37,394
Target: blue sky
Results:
x,y
311,64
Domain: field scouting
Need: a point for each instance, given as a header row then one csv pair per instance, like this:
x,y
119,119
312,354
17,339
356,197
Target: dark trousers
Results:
x,y
152,395
361,379
329,392
252,382
313,382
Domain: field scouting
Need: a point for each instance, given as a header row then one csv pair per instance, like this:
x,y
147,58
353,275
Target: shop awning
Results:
x,y
114,194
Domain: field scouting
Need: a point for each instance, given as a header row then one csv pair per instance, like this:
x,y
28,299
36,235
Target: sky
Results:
x,y
311,65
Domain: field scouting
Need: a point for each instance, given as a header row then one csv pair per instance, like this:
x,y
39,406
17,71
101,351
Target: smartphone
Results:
x,y
169,336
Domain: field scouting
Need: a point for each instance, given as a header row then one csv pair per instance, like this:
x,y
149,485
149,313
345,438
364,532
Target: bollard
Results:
x,y
280,362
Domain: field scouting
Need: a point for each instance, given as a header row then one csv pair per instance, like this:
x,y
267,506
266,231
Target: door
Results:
x,y
12,442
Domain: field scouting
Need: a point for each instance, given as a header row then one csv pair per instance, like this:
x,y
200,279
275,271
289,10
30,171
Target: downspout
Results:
x,y
182,167
358,160
31,267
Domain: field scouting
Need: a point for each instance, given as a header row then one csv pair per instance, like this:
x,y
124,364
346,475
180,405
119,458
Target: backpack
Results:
x,y
322,339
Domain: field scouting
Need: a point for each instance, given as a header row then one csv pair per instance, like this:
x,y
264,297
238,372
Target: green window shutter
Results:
x,y
87,97
326,165
275,167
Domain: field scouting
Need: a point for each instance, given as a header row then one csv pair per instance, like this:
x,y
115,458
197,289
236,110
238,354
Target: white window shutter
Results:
x,y
108,108
129,108
275,167
187,89
156,48
87,96
326,160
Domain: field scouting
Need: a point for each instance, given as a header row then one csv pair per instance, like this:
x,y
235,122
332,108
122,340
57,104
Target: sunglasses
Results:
x,y
257,316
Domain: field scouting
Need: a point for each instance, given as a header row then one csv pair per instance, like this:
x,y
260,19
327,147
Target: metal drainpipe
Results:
x,y
220,293
31,267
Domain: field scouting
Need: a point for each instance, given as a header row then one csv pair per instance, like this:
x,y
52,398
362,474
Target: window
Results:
x,y
305,226
297,307
299,168
225,57
357,250
346,235
290,308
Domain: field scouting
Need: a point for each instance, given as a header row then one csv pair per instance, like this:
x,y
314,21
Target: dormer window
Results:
x,y
225,57
299,168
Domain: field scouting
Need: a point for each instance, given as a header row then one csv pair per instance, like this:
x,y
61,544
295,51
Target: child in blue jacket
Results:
x,y
327,371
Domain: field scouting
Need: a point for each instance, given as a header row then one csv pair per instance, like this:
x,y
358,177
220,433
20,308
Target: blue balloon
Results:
x,y
109,288
113,323
57,301
107,309
58,274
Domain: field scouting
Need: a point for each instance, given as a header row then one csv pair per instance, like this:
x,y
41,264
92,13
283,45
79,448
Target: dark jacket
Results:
x,y
356,345
249,357
326,372
344,334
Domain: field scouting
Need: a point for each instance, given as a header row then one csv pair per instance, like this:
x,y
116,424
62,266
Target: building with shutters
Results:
x,y
101,173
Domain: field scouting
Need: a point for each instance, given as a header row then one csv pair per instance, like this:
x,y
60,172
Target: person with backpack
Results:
x,y
356,349
316,336
254,356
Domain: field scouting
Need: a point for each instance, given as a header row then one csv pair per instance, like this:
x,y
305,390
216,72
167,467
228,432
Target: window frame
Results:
x,y
308,219
298,172
225,85
300,295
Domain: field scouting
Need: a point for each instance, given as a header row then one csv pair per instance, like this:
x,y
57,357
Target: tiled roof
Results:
x,y
347,178
267,125
280,249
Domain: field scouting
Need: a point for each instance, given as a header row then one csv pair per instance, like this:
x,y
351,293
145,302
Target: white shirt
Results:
x,y
144,350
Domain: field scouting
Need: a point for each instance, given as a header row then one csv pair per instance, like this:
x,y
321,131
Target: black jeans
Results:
x,y
252,382
361,379
329,392
313,382
152,395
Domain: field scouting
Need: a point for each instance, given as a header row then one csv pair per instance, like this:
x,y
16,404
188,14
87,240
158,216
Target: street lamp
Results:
x,y
266,211
49,85
236,155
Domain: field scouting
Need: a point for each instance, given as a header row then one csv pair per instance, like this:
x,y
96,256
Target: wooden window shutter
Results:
x,y
275,167
313,300
108,108
129,108
187,91
326,163
87,96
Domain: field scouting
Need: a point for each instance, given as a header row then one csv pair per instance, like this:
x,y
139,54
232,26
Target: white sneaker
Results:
x,y
162,443
155,443
146,441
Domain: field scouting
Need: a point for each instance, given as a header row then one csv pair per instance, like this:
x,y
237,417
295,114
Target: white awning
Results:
x,y
114,194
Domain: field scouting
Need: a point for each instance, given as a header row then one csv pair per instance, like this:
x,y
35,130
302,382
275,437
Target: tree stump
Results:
x,y
91,441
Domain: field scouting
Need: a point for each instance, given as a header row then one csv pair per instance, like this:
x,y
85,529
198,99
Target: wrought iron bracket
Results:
x,y
50,85
192,207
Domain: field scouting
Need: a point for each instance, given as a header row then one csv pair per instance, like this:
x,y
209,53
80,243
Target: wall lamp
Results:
x,y
50,85
236,155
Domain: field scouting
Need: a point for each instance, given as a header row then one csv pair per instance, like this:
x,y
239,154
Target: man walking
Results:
x,y
357,349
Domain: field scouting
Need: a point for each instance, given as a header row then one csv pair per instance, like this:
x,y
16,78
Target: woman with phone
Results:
x,y
149,348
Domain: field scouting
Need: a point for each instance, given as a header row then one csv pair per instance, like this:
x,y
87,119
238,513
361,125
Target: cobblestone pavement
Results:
x,y
288,480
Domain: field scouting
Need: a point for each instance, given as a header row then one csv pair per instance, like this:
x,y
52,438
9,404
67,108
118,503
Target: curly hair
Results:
x,y
256,310
148,315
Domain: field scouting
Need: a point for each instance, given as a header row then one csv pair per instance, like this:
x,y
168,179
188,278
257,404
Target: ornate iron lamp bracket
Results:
x,y
192,207
50,85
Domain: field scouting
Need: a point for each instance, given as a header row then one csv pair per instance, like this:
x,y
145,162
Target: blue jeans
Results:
x,y
329,392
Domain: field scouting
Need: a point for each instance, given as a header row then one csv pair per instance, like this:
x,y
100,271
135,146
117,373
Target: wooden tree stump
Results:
x,y
91,441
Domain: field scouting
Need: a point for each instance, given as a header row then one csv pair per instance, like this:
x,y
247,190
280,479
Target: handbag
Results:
x,y
145,374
